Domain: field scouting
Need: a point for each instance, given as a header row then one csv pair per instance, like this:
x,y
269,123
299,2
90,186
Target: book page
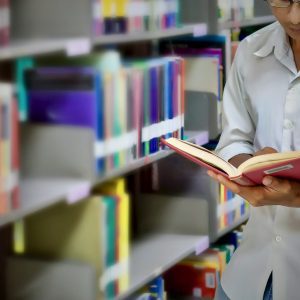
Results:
x,y
267,159
204,155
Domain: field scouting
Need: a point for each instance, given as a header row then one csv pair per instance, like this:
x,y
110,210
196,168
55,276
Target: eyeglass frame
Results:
x,y
290,3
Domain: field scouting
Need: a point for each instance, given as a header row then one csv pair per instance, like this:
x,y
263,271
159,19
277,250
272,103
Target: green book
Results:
x,y
110,205
21,65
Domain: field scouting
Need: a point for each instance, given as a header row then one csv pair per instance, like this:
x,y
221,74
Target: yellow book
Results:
x,y
118,188
19,237
6,94
5,152
223,260
222,203
208,263
68,232
209,259
107,8
121,8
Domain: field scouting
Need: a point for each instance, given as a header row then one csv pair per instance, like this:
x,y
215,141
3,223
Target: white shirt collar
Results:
x,y
277,43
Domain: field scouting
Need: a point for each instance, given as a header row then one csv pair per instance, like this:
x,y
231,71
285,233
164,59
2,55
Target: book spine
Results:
x,y
15,160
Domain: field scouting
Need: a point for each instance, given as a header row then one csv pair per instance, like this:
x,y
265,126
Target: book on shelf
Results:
x,y
196,275
251,172
9,150
235,10
4,22
133,16
117,189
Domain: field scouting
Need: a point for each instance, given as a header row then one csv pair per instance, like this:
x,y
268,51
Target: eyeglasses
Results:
x,y
282,3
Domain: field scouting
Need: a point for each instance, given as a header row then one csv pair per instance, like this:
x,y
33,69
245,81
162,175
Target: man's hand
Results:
x,y
274,191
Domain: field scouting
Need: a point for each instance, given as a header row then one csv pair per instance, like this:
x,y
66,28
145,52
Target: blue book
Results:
x,y
154,105
157,288
168,93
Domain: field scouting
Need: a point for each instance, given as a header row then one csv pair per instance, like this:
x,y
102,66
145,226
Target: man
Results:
x,y
261,115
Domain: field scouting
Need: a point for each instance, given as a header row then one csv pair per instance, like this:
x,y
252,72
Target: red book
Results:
x,y
191,281
251,172
182,90
15,161
5,25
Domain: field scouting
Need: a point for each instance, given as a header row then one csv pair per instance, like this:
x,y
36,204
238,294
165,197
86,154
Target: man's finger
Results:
x,y
275,184
235,188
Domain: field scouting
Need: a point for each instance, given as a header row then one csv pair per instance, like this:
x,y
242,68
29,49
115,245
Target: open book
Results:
x,y
251,172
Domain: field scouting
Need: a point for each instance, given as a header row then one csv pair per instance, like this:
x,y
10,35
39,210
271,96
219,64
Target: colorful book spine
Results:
x,y
117,273
121,24
21,65
9,150
109,11
4,22
110,243
235,10
197,276
97,27
134,16
137,88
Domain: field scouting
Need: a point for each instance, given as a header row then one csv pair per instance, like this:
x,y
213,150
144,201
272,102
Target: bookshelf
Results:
x,y
40,193
153,254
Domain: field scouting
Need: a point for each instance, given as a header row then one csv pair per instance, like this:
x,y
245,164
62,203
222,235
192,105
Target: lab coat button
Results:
x,y
288,124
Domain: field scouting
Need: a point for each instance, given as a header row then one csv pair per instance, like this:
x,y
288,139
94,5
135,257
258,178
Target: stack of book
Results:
x,y
128,106
9,150
134,16
235,10
4,22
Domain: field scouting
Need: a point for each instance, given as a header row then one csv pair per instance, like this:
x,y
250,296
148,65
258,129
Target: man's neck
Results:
x,y
295,45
